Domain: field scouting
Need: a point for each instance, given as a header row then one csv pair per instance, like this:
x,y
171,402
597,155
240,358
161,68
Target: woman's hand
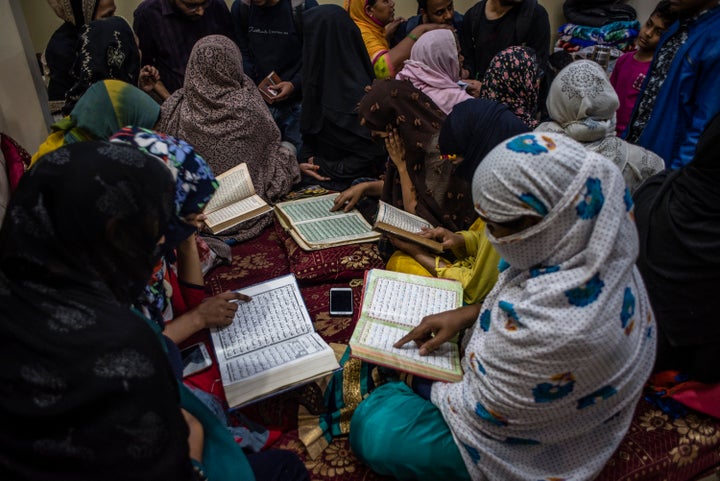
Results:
x,y
197,219
219,311
396,149
392,27
311,170
410,248
196,438
449,239
283,89
149,76
426,27
439,328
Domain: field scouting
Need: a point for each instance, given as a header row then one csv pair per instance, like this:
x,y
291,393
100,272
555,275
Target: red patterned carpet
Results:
x,y
656,447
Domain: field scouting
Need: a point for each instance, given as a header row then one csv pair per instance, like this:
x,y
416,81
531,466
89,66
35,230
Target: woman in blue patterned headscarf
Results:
x,y
194,187
557,354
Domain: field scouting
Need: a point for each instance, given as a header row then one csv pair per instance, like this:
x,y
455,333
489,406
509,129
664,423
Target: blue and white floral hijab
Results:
x,y
194,187
565,341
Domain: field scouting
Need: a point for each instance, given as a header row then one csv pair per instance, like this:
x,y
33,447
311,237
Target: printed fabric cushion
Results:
x,y
334,263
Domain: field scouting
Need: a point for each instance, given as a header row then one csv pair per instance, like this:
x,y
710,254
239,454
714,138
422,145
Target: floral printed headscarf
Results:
x,y
194,187
513,78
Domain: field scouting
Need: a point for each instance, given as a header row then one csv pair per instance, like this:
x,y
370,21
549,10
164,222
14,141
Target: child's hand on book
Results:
x,y
219,311
411,248
436,329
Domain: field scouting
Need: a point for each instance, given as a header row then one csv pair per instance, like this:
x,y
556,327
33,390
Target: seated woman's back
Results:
x,y
107,49
90,394
582,105
434,68
336,71
220,111
513,78
102,110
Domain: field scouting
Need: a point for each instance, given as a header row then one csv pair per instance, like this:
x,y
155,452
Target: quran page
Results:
x,y
401,219
393,304
234,202
234,185
271,343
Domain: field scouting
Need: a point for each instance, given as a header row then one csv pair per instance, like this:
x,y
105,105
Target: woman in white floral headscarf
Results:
x,y
582,105
559,351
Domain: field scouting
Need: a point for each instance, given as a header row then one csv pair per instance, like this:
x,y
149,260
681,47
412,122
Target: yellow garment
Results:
x,y
373,35
476,267
55,140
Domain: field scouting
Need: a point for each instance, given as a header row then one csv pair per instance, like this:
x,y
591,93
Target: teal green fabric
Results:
x,y
105,108
398,433
223,459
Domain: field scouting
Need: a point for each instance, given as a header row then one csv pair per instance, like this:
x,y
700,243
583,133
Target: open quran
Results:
x,y
395,303
312,225
271,344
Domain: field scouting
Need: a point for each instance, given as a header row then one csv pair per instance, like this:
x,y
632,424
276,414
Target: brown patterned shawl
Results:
x,y
221,113
443,198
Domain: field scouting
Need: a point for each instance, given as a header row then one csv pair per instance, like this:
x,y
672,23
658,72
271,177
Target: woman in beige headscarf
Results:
x,y
582,105
220,111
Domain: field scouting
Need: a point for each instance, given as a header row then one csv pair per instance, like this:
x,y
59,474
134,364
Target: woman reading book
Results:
x,y
175,292
174,297
471,130
417,179
220,111
556,356
91,394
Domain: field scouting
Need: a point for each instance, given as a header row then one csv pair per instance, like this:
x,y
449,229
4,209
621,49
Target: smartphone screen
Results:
x,y
195,358
341,301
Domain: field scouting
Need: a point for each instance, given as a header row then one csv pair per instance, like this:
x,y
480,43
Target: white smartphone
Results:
x,y
341,301
195,358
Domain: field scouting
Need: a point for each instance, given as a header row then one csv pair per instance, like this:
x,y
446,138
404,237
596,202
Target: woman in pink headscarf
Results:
x,y
434,68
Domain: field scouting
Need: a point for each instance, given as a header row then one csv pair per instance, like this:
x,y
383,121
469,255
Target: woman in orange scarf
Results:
x,y
377,23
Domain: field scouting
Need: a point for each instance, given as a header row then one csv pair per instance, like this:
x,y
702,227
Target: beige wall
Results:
x,y
22,93
26,26
42,22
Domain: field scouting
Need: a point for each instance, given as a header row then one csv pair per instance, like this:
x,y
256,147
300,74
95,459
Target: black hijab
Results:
x,y
678,218
474,128
106,50
86,391
60,50
336,71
